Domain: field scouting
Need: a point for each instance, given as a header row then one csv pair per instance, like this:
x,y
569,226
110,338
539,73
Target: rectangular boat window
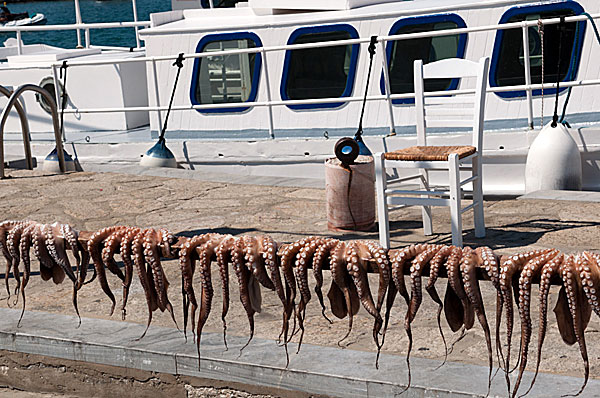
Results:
x,y
507,67
401,54
322,72
224,79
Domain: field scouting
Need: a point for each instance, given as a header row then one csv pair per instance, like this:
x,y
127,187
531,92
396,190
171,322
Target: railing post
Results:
x,y
78,21
388,89
135,19
526,65
156,94
87,37
19,43
268,89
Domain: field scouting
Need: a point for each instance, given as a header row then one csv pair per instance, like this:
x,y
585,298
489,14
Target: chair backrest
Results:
x,y
452,108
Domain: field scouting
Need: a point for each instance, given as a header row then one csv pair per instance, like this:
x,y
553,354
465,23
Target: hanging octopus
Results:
x,y
509,268
145,248
531,270
187,262
321,257
572,310
95,247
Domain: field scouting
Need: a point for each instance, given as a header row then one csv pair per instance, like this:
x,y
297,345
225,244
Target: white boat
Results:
x,y
37,19
250,102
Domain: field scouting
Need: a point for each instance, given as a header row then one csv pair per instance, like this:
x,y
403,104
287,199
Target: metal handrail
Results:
x,y
25,130
13,101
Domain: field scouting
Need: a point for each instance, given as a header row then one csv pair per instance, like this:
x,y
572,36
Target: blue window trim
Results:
x,y
534,9
255,77
460,51
351,73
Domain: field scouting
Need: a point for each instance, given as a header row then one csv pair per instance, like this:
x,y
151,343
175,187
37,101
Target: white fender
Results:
x,y
553,161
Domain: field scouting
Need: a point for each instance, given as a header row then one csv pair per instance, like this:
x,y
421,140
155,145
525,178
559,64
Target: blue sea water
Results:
x,y
63,12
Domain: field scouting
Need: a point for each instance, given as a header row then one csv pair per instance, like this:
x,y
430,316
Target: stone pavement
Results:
x,y
288,210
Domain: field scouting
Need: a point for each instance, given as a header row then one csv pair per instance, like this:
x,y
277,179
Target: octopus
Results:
x,y
95,246
463,296
254,261
147,248
50,244
509,268
140,249
349,271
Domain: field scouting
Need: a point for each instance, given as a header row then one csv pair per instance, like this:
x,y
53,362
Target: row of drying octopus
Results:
x,y
259,260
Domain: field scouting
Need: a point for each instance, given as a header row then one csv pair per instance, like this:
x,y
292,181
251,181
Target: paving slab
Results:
x,y
316,369
90,201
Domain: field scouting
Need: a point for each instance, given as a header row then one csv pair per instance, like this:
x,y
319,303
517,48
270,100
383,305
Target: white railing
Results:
x,y
528,87
76,26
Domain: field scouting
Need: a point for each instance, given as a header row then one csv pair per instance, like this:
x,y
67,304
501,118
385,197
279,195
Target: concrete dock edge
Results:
x,y
315,370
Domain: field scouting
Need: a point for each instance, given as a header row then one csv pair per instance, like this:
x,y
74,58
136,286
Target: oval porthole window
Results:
x,y
47,84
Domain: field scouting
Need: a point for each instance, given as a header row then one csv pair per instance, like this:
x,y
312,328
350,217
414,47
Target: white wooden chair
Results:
x,y
445,110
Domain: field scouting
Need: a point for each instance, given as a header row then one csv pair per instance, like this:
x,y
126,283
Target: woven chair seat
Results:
x,y
430,153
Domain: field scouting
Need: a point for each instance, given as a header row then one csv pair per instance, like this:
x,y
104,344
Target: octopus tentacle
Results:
x,y
94,248
341,306
321,255
457,291
304,257
5,228
187,263
287,261
151,241
206,253
577,307
146,280
12,244
434,267
468,268
223,253
532,269
24,245
357,254
243,277
511,266
125,251
490,265
416,295
549,270
57,244
590,274
399,259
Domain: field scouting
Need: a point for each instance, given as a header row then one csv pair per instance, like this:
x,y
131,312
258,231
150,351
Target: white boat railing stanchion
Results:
x,y
19,43
87,37
526,66
388,87
78,21
156,93
268,92
135,19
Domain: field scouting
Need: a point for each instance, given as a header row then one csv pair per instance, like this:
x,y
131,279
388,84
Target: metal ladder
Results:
x,y
13,98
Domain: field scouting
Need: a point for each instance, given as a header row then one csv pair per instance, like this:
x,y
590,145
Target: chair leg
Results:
x,y
478,218
382,209
426,210
455,197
